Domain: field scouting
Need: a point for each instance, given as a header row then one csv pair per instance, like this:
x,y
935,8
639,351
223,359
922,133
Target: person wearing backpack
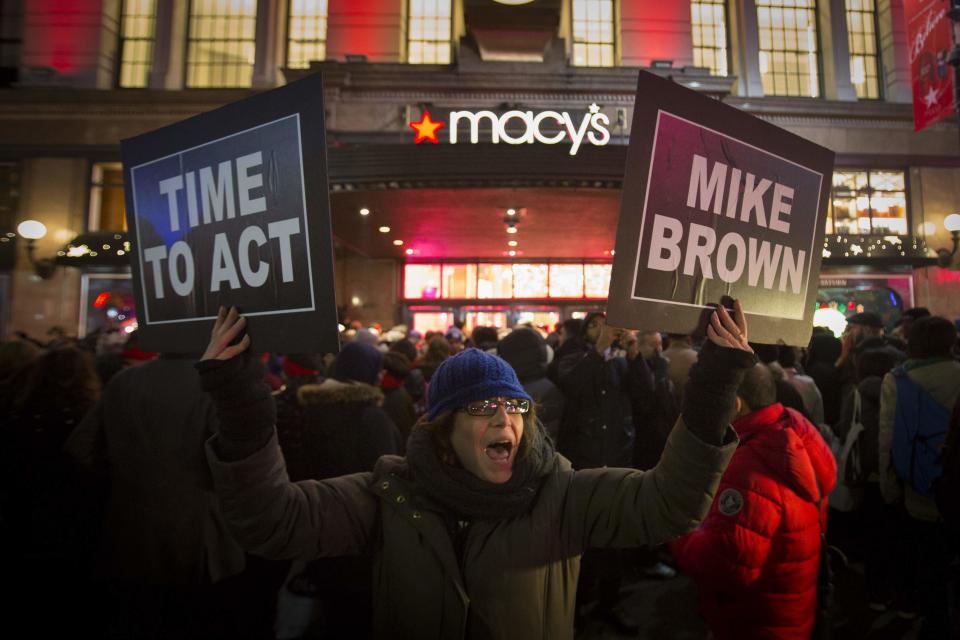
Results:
x,y
915,404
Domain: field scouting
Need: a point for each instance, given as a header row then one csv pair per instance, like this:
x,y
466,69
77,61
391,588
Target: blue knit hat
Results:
x,y
471,375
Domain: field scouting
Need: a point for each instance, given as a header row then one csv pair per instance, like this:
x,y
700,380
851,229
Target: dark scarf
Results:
x,y
467,496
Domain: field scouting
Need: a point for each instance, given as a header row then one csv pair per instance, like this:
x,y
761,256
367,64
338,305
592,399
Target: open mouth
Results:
x,y
499,451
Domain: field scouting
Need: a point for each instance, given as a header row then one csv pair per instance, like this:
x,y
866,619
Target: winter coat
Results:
x,y
162,523
597,426
345,430
653,416
756,556
941,379
513,579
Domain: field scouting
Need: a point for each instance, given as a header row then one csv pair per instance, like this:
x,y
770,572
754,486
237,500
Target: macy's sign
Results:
x,y
519,127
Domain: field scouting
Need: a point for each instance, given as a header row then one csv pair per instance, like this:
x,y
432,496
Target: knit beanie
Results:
x,y
471,375
358,361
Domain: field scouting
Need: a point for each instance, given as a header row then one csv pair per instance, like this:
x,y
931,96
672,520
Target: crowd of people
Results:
x,y
486,483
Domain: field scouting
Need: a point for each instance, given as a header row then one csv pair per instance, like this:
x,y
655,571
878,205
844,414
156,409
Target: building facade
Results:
x,y
509,213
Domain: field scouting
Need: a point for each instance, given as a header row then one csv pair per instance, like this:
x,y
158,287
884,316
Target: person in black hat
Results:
x,y
908,317
479,530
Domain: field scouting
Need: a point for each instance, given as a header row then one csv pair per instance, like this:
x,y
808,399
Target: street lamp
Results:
x,y
31,231
952,224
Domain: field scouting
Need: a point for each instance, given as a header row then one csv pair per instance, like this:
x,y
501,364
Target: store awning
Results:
x,y
882,251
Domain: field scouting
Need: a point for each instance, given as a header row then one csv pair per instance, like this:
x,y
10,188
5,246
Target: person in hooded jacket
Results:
x,y
756,555
526,351
478,531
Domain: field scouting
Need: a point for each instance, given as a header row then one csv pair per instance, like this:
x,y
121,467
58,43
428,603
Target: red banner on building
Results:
x,y
928,33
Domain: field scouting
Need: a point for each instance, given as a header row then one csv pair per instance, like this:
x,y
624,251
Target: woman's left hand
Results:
x,y
228,326
728,332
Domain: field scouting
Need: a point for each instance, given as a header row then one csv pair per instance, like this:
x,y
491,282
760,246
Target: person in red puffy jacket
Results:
x,y
755,557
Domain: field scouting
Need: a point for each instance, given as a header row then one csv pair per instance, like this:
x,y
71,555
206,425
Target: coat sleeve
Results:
x,y
624,508
272,517
731,550
890,486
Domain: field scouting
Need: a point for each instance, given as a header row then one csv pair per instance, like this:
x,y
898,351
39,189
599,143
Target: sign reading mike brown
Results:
x,y
231,208
717,204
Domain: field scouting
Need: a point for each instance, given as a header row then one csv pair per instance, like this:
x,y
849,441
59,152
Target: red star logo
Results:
x,y
426,129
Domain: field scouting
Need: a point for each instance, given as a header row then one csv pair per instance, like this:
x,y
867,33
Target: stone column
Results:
x,y
834,40
271,41
747,48
894,51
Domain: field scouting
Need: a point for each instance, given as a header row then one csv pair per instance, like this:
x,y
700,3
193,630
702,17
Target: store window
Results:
x,y
862,35
138,22
424,321
566,281
459,281
221,43
596,280
494,281
493,317
708,20
421,281
429,32
789,52
107,209
488,281
306,33
593,33
869,202
530,281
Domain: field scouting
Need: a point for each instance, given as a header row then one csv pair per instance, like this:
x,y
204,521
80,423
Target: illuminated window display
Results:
x,y
492,281
869,202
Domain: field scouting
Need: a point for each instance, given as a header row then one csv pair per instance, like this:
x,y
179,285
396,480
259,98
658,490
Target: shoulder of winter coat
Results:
x,y
332,391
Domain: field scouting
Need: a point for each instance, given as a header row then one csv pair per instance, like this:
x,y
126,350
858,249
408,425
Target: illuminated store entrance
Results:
x,y
501,294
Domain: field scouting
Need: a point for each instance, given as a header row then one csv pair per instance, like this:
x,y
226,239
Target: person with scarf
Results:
x,y
478,531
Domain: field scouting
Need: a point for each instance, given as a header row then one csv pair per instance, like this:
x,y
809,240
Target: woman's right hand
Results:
x,y
227,327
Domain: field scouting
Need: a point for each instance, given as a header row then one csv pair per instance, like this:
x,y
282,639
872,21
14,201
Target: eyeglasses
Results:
x,y
487,408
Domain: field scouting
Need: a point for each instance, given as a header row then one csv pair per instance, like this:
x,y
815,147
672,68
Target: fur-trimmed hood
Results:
x,y
332,391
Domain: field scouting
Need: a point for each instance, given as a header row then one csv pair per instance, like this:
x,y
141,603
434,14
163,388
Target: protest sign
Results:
x,y
717,203
231,207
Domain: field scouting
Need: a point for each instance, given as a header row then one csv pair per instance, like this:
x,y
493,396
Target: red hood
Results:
x,y
791,447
